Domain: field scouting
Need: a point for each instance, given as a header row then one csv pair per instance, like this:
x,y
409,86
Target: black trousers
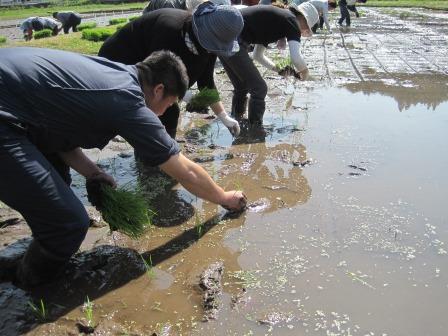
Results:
x,y
30,184
345,14
73,23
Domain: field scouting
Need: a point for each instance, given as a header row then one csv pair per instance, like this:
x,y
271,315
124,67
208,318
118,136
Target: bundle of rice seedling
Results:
x,y
124,210
2,39
117,21
97,34
203,99
42,34
87,25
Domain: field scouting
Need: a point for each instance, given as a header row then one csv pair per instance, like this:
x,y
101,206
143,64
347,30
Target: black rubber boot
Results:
x,y
256,111
38,266
239,105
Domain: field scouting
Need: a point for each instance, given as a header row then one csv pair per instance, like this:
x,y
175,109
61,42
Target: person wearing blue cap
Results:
x,y
263,25
196,38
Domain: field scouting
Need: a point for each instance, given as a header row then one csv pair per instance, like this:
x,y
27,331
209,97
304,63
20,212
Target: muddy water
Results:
x,y
346,232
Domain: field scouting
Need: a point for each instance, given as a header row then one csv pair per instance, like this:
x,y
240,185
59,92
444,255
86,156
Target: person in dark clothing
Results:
x,y
345,15
197,39
264,24
352,8
189,5
68,20
53,103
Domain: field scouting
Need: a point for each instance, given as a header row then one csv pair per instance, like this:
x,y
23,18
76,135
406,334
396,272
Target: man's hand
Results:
x,y
234,200
102,177
230,123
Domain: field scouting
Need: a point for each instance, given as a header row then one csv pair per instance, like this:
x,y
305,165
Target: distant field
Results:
x,y
20,13
430,4
70,42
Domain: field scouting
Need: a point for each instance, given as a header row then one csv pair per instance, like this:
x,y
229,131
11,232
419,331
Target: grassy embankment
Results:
x,y
430,4
80,6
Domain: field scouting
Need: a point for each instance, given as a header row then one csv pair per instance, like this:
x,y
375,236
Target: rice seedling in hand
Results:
x,y
203,99
39,311
43,34
124,210
199,224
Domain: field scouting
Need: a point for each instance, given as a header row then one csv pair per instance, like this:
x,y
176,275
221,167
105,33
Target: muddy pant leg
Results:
x,y
345,15
240,91
243,68
321,22
30,185
314,28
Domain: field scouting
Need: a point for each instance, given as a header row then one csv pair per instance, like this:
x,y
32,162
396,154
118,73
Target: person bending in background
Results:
x,y
37,23
68,20
189,5
196,38
264,25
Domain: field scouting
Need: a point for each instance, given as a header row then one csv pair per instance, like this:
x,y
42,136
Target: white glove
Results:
x,y
229,122
304,74
188,95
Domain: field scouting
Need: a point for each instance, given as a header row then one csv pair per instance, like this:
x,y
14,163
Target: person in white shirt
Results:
x,y
322,6
38,23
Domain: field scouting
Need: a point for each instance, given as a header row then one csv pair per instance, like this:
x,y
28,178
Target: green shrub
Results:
x,y
132,18
117,21
2,39
43,33
87,25
97,34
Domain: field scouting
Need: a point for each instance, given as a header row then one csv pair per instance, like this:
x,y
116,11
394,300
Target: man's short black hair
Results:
x,y
164,67
332,4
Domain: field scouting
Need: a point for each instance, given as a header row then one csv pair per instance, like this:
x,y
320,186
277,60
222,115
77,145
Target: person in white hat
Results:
x,y
263,25
196,38
322,6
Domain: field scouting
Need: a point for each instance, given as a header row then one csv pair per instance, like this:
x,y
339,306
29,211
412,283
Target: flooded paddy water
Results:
x,y
346,231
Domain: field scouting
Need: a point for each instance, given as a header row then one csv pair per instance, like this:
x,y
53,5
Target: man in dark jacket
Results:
x,y
68,20
197,39
54,103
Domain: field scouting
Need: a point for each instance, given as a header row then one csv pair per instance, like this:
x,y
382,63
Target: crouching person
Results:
x,y
69,20
54,103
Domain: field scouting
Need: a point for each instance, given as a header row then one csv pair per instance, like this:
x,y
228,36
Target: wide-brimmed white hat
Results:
x,y
217,28
308,11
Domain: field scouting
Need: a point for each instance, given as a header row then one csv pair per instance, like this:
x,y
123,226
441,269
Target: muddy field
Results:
x,y
347,228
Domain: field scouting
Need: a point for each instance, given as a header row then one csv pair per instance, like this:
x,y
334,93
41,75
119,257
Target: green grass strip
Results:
x,y
87,25
42,34
117,21
98,34
428,4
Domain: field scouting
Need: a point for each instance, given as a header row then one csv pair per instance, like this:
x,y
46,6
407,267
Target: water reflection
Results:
x,y
407,89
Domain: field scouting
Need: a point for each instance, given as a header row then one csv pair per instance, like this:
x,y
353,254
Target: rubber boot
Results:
x,y
38,266
239,105
256,112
